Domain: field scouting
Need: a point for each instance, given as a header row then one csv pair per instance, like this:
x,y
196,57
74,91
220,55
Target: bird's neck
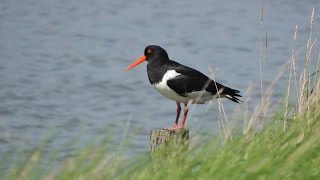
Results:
x,y
156,70
156,62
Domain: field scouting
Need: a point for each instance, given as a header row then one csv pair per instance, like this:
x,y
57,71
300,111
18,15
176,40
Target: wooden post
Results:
x,y
168,141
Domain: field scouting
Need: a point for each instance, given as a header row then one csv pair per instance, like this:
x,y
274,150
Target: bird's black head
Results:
x,y
154,52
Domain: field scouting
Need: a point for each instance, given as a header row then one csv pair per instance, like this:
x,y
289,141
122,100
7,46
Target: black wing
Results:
x,y
192,80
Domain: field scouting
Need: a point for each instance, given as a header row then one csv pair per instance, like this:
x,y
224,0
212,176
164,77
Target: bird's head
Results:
x,y
151,53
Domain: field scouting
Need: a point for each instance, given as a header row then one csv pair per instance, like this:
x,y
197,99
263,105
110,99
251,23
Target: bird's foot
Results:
x,y
174,127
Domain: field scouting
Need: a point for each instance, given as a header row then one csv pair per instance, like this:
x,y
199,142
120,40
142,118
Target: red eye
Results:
x,y
149,51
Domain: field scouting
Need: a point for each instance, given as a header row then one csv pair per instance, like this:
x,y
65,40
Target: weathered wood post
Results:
x,y
167,141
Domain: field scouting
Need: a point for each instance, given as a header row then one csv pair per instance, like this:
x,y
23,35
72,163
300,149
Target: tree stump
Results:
x,y
166,142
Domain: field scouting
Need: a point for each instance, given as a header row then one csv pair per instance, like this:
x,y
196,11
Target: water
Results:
x,y
61,64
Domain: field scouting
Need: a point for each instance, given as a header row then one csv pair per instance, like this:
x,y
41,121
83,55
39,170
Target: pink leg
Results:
x,y
186,109
175,125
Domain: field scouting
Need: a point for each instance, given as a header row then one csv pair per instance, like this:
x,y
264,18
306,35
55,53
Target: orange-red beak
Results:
x,y
136,62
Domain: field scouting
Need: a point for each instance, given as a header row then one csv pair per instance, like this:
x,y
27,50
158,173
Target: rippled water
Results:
x,y
61,64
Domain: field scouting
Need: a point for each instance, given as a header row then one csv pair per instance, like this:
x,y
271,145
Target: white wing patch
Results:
x,y
169,75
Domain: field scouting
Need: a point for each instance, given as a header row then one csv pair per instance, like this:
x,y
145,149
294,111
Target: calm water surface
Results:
x,y
61,64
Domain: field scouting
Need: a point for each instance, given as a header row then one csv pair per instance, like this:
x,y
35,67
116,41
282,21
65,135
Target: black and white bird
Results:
x,y
181,83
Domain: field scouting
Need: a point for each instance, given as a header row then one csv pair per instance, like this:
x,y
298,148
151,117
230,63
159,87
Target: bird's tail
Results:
x,y
231,94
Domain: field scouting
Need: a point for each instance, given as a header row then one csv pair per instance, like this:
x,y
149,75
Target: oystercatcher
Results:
x,y
181,83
